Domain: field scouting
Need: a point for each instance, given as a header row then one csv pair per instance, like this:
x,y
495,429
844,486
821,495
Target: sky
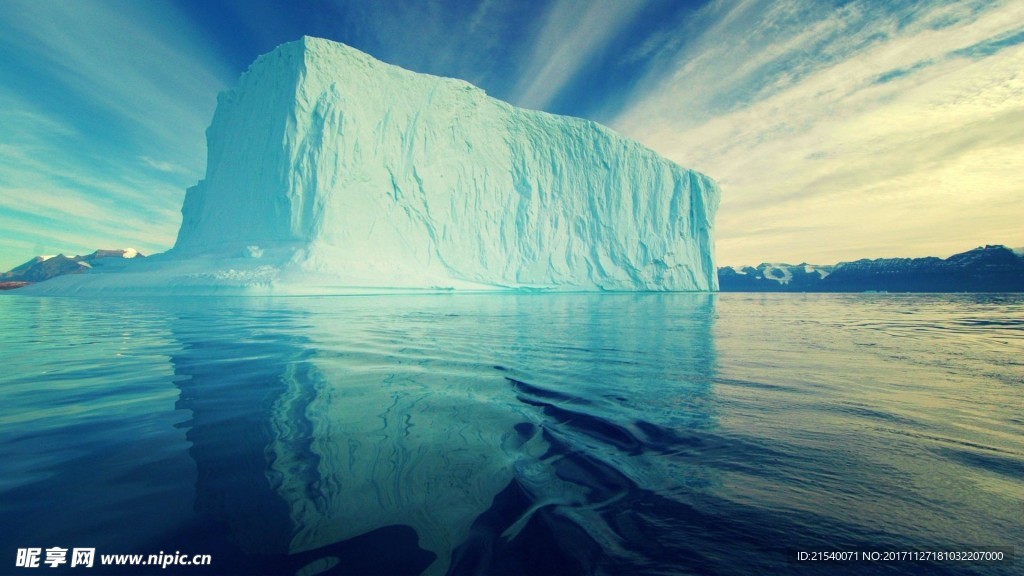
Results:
x,y
836,130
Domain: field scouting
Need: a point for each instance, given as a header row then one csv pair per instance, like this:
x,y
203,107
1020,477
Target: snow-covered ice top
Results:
x,y
329,170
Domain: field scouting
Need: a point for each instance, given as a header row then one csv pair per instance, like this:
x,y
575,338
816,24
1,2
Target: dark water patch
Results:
x,y
590,425
750,384
988,322
391,550
871,414
543,393
1011,466
655,535
594,427
525,429
730,452
714,536
548,543
523,433
948,440
663,439
601,480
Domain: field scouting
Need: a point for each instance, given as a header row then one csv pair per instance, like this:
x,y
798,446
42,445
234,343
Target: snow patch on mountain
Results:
x,y
778,272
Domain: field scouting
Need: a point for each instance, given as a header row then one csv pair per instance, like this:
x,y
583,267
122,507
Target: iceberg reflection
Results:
x,y
482,423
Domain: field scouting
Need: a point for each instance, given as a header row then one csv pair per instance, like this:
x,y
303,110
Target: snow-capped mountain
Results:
x,y
43,268
984,269
772,277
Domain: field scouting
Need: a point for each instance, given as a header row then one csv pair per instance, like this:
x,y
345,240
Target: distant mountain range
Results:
x,y
45,267
984,269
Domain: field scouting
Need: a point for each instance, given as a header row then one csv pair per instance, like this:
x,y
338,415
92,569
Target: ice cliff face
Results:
x,y
353,172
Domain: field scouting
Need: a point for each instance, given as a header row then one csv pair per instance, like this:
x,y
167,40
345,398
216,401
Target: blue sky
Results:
x,y
837,130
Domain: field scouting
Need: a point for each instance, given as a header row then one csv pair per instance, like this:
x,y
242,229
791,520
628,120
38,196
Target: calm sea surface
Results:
x,y
514,434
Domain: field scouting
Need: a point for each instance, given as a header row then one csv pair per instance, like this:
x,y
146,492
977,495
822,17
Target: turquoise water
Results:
x,y
514,434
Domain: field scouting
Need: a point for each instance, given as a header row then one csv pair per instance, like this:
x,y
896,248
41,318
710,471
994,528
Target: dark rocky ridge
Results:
x,y
993,268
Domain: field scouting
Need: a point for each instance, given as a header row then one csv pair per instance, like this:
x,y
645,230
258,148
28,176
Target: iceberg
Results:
x,y
330,171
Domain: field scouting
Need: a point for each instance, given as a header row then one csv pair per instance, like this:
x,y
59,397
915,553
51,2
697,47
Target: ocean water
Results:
x,y
515,434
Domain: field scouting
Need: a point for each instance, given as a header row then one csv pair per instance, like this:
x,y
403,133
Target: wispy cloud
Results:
x,y
879,129
130,62
104,106
571,34
62,207
161,165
